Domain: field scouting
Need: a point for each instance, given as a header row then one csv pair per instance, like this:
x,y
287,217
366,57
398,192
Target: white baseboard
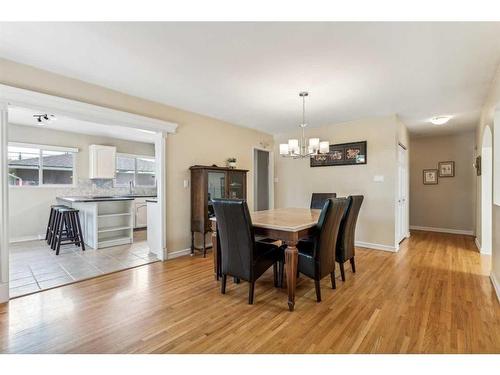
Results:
x,y
27,238
178,253
478,244
4,292
496,285
443,230
377,246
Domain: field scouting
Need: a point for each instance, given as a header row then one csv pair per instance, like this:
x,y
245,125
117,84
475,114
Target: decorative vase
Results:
x,y
232,164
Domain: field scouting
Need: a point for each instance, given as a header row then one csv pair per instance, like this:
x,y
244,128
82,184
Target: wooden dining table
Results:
x,y
282,224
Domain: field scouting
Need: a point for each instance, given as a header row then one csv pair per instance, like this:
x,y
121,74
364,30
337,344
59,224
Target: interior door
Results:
x,y
402,199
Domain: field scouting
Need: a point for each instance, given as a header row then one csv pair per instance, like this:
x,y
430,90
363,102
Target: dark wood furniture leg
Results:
x,y
223,284
332,277
342,272
204,247
216,254
353,265
251,289
291,260
318,290
192,243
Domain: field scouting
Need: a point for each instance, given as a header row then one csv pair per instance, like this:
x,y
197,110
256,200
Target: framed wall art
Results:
x,y
353,153
446,168
430,176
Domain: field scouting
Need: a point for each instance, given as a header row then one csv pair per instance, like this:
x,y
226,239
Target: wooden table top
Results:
x,y
285,219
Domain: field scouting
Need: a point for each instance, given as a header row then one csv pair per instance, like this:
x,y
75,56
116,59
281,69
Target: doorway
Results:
x,y
402,196
262,179
486,191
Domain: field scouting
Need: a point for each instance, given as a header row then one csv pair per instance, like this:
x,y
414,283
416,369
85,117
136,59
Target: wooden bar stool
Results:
x,y
52,221
68,229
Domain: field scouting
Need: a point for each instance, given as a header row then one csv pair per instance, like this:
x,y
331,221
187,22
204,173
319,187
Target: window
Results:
x,y
140,170
36,165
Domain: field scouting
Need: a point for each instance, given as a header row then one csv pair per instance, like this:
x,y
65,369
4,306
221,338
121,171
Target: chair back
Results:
x,y
345,244
318,200
328,229
236,237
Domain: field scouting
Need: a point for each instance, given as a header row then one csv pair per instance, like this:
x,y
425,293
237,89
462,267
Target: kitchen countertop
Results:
x,y
152,200
105,198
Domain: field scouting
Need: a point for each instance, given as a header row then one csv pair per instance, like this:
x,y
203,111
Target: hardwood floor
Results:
x,y
434,296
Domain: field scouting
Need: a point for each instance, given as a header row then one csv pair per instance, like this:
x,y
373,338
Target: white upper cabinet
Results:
x,y
102,163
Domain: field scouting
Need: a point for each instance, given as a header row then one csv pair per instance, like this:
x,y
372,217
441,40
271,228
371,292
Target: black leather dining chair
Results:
x,y
241,255
318,200
317,254
345,241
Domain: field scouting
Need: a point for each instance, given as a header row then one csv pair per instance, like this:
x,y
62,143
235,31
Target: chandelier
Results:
x,y
303,148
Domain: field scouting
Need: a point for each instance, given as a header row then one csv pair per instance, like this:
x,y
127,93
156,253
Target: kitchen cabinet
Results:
x,y
141,213
102,161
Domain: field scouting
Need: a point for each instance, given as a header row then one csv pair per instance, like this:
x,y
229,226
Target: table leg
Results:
x,y
291,260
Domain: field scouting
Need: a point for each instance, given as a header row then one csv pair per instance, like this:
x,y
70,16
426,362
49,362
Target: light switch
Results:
x,y
186,184
378,178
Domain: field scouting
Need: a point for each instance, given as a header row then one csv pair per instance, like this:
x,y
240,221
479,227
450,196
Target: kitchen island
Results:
x,y
106,221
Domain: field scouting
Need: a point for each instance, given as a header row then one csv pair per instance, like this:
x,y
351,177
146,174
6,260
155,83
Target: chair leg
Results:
x,y
275,274
223,284
236,280
342,271
332,277
318,290
281,272
192,243
353,265
204,247
251,288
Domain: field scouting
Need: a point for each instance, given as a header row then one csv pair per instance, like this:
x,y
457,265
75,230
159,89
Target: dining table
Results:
x,y
287,225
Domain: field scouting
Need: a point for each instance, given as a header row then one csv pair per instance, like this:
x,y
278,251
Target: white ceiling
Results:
x,y
250,73
24,116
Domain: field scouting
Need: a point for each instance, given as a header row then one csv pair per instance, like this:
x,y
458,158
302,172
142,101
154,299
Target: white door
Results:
x,y
402,198
141,215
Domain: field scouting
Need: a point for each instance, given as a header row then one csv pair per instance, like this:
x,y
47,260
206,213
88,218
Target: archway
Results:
x,y
486,190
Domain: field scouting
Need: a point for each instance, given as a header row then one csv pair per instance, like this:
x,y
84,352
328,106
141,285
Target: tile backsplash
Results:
x,y
97,187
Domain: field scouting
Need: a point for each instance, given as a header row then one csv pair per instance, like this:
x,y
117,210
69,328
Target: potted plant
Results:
x,y
231,162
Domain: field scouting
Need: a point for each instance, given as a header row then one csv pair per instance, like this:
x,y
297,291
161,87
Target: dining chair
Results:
x,y
345,241
241,255
317,254
318,200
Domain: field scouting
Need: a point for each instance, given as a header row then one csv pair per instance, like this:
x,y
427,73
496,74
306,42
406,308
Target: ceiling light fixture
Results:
x,y
440,120
303,148
44,118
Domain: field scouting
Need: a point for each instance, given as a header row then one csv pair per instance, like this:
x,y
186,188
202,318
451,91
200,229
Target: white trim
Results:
x,y
43,147
4,292
270,175
4,204
36,237
443,230
161,189
496,285
81,111
478,244
179,253
377,246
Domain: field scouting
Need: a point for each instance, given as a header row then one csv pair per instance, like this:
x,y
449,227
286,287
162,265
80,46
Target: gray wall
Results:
x,y
450,203
262,173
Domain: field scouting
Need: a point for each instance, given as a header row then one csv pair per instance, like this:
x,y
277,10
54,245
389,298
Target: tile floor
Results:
x,y
34,266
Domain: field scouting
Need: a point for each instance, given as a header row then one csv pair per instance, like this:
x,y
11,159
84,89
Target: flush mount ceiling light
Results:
x,y
440,120
44,119
303,148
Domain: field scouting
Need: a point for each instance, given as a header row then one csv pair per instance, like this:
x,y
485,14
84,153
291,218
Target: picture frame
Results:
x,y
430,176
446,168
352,153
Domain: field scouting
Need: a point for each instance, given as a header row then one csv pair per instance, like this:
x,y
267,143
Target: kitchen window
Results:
x,y
136,169
41,165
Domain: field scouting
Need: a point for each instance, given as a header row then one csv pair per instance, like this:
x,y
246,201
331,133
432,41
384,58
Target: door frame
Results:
x,y
402,229
270,176
13,96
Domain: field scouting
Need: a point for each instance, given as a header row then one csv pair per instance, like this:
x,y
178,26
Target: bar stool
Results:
x,y
68,229
52,221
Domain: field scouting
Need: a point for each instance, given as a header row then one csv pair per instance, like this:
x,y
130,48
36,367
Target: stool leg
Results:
x,y
48,224
79,228
53,235
76,232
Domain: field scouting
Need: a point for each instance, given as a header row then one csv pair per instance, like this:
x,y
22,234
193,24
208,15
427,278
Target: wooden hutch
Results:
x,y
212,182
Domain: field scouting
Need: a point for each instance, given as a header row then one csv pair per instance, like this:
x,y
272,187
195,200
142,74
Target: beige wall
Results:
x,y
297,180
199,140
491,105
29,206
450,203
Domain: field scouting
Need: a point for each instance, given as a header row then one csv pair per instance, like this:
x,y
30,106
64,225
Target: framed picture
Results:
x,y
353,153
446,168
430,176
478,165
